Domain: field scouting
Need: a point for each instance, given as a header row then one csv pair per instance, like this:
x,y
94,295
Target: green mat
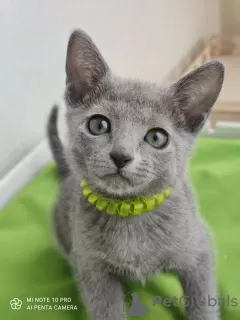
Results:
x,y
32,270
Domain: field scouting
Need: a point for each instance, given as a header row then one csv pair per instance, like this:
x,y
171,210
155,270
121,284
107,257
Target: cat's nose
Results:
x,y
120,159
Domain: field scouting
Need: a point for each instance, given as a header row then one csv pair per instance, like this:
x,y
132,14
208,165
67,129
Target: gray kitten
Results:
x,y
113,146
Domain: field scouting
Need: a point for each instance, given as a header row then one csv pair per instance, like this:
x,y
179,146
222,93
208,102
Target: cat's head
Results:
x,y
127,137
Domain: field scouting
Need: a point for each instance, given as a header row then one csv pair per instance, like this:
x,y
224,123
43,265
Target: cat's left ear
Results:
x,y
85,66
196,93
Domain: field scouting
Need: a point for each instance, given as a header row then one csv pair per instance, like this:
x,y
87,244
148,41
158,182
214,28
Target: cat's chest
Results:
x,y
131,249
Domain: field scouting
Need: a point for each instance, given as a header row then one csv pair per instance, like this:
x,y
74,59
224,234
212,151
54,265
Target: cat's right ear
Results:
x,y
196,93
85,66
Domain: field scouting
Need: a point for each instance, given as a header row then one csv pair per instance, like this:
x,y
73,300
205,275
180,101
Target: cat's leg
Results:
x,y
101,291
200,288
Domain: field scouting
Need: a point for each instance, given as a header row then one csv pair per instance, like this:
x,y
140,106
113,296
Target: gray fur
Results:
x,y
102,249
56,144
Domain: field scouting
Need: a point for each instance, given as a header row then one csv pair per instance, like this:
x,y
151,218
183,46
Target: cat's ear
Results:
x,y
85,66
196,93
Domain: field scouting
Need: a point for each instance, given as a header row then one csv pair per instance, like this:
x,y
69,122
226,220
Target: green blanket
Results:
x,y
33,271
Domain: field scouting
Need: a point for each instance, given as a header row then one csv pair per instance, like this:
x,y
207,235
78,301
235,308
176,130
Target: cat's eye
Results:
x,y
157,138
98,125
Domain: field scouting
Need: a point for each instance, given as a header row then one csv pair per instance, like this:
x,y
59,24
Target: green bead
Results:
x,y
83,184
167,193
149,203
159,199
137,207
112,207
101,204
92,198
87,191
125,209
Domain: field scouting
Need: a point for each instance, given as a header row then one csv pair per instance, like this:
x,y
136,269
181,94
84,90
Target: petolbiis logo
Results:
x,y
16,304
133,305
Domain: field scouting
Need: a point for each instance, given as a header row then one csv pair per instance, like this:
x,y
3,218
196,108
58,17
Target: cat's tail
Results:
x,y
56,144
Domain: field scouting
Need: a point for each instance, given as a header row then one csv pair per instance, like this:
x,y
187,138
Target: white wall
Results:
x,y
140,38
230,16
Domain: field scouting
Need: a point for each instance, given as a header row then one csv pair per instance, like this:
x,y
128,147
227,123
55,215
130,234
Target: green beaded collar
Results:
x,y
124,208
